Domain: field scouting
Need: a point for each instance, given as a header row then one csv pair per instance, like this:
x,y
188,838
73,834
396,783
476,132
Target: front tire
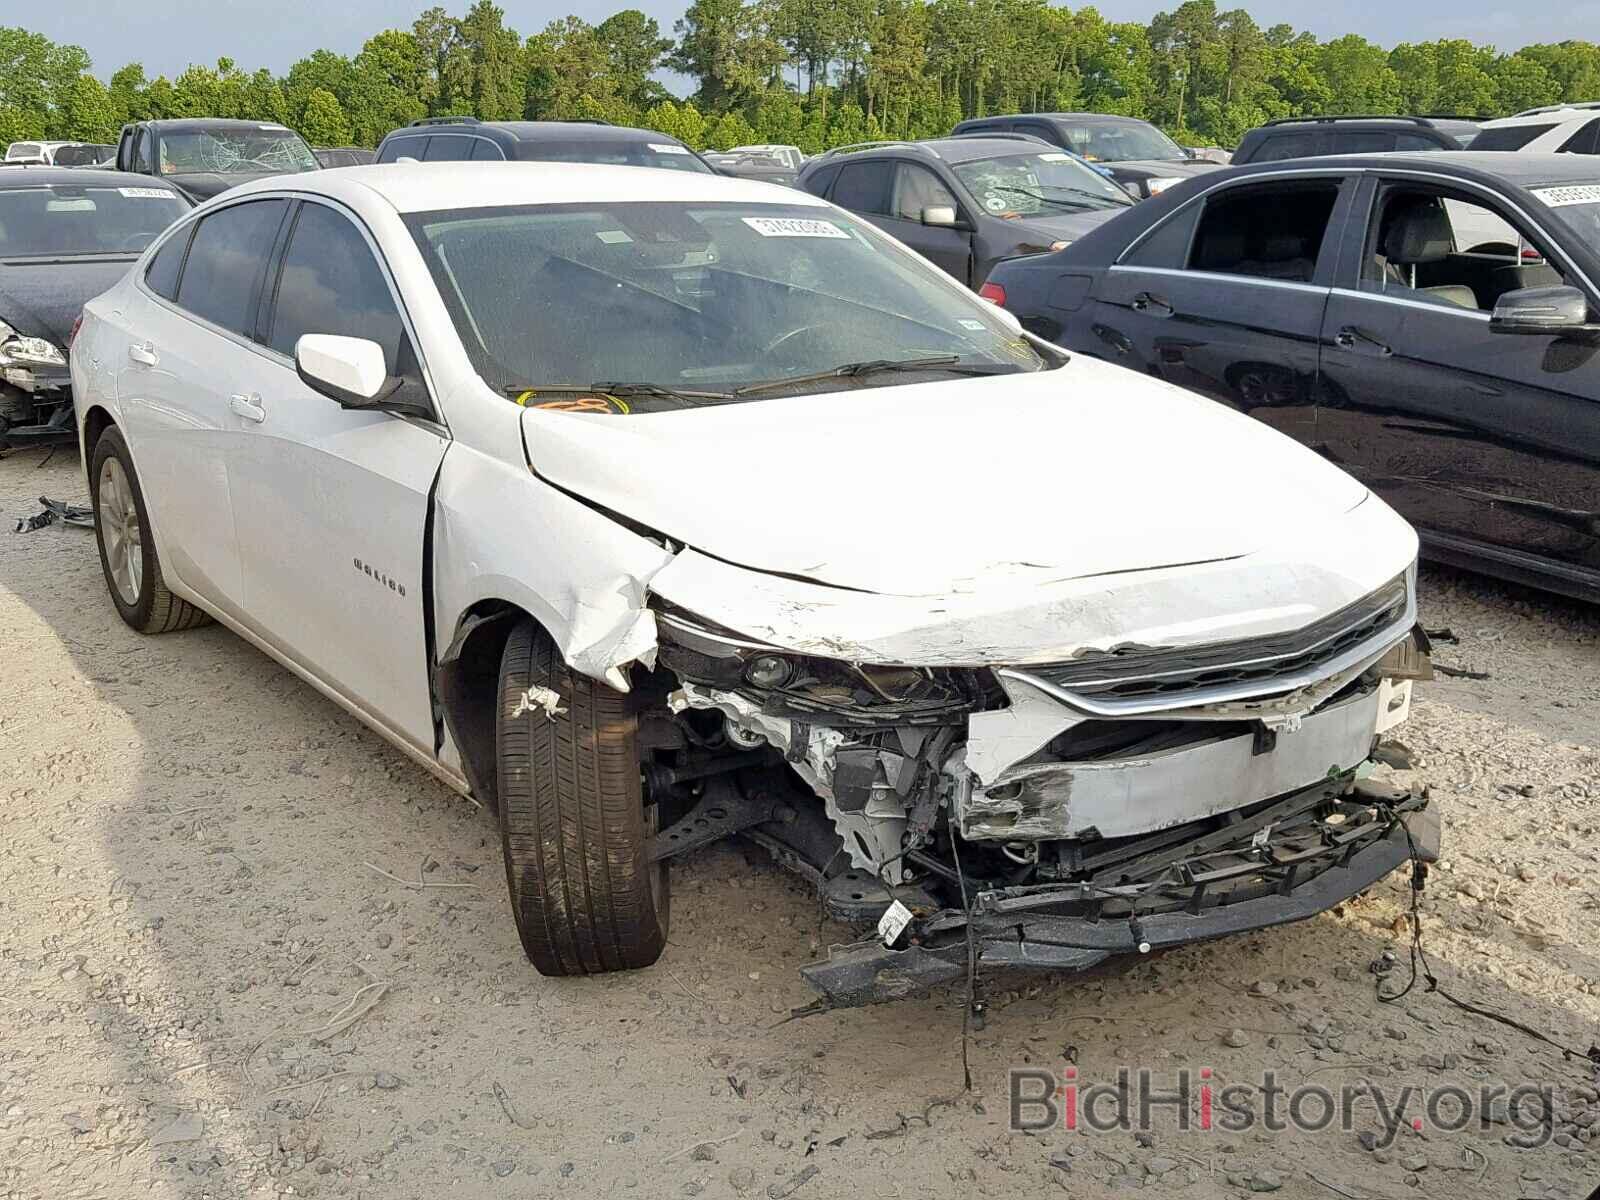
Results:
x,y
573,825
127,551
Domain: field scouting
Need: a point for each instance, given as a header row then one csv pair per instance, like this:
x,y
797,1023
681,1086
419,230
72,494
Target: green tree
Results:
x,y
88,114
323,121
635,50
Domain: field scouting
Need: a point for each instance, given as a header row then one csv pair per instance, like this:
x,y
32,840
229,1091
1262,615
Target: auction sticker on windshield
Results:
x,y
137,193
1573,193
664,148
795,227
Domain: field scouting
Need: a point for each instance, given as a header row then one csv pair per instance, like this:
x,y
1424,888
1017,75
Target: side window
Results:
x,y
1582,142
1429,245
1168,245
820,180
141,151
162,274
917,188
1277,146
864,186
483,148
448,148
1268,232
1357,141
226,259
402,147
1411,141
331,283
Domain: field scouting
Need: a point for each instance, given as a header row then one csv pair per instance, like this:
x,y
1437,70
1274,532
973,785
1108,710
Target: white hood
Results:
x,y
954,487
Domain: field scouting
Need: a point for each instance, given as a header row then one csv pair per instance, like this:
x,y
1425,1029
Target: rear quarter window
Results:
x,y
1510,137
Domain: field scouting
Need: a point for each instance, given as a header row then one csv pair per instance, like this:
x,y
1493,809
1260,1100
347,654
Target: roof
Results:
x,y
1487,166
537,131
29,175
1114,118
1542,116
201,124
958,148
427,187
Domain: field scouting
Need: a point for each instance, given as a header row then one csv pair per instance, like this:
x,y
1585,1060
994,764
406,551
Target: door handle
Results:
x,y
1153,306
248,407
1351,338
144,354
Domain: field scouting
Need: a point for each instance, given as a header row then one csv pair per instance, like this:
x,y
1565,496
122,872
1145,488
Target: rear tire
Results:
x,y
573,825
127,550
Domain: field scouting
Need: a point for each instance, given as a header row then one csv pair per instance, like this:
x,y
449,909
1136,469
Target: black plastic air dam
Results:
x,y
868,972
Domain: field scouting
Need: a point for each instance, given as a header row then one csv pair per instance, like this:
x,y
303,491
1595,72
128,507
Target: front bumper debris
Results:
x,y
1285,861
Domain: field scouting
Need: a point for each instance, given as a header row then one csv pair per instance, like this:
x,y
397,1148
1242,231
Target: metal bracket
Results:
x,y
722,811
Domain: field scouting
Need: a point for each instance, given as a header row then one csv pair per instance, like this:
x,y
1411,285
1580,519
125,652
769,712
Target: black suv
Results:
x,y
1135,153
965,203
1316,137
455,139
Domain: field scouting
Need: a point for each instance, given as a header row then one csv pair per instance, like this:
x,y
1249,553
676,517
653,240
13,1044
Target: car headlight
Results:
x,y
19,351
1156,186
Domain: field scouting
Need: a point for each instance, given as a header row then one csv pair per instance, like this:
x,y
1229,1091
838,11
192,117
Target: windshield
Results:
x,y
235,152
1575,205
1030,185
62,221
1120,142
666,154
697,298
1508,137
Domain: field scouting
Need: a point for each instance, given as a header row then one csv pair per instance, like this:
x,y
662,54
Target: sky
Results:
x,y
167,35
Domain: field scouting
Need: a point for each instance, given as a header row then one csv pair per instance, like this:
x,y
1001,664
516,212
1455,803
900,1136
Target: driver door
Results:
x,y
917,189
331,505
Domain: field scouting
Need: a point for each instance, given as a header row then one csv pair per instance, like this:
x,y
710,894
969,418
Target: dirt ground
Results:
x,y
246,949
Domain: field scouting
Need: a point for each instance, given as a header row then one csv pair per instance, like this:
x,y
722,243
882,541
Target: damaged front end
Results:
x,y
35,390
1046,815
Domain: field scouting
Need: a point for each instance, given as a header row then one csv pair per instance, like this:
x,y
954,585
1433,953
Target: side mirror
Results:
x,y
351,371
1133,190
941,215
1547,310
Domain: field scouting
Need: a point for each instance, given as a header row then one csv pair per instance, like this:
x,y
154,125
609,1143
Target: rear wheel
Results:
x,y
573,823
127,551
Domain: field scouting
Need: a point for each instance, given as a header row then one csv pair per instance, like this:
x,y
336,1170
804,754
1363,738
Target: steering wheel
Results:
x,y
784,338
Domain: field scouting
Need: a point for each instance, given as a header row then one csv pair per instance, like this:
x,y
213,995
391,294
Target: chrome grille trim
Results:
x,y
1333,649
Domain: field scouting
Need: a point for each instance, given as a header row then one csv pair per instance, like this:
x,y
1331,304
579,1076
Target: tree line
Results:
x,y
814,73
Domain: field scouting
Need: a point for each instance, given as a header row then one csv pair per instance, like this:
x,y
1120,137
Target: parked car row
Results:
x,y
610,599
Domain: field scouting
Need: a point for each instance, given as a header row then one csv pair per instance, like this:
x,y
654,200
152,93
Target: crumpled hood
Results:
x,y
952,487
44,299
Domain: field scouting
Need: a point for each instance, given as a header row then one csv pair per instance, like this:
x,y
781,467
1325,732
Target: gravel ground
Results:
x,y
246,950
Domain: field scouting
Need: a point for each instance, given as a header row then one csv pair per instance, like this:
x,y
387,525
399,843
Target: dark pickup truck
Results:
x,y
202,156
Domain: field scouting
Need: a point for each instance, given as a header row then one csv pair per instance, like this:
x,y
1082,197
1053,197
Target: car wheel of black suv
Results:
x,y
127,550
573,824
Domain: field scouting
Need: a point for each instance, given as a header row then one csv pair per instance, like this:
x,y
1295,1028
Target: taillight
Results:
x,y
993,293
77,324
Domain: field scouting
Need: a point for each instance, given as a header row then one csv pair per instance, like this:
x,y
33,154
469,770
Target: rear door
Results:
x,y
1226,297
187,361
1483,440
332,504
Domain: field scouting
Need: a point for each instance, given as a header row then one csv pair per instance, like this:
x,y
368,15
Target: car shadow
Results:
x,y
253,947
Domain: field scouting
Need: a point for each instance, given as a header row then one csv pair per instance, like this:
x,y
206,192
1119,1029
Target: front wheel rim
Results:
x,y
120,532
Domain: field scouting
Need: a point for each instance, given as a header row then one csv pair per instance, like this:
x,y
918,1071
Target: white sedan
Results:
x,y
648,508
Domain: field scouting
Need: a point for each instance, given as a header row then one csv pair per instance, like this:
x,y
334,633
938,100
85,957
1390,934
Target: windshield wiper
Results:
x,y
1109,201
1037,196
621,391
875,366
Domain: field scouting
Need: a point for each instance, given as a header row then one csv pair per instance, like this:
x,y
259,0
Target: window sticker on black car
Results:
x,y
664,148
1572,193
